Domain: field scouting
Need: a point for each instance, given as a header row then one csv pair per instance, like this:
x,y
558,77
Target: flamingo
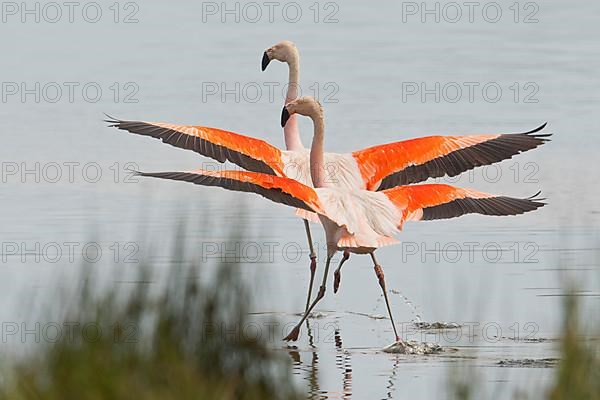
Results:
x,y
287,52
357,220
375,168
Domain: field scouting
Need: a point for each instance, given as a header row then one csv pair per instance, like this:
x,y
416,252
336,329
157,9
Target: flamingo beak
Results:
x,y
265,60
285,115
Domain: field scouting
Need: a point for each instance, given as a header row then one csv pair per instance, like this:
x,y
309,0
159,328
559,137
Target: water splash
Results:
x,y
529,363
414,348
417,318
436,325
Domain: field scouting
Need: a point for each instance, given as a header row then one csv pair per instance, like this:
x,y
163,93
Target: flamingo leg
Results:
x,y
381,279
337,275
293,336
313,263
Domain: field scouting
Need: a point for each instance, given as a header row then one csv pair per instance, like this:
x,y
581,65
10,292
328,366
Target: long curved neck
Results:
x,y
317,162
291,131
293,77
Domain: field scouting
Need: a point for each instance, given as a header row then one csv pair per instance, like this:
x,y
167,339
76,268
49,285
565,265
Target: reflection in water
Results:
x,y
313,378
391,388
344,362
314,390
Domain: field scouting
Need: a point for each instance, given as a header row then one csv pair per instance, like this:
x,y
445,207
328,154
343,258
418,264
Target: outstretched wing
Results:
x,y
278,189
416,160
247,152
439,201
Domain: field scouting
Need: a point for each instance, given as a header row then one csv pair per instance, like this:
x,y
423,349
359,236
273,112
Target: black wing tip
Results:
x,y
539,128
116,122
541,136
525,205
148,174
536,199
112,121
162,174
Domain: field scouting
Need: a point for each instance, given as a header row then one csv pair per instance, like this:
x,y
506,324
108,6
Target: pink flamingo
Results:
x,y
357,220
375,168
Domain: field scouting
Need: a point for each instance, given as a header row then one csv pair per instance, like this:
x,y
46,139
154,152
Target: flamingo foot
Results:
x,y
399,346
293,336
337,276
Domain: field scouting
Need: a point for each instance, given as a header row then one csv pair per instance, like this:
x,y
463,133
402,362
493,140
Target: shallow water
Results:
x,y
506,275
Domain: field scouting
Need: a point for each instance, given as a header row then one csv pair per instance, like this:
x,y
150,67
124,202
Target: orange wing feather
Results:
x,y
416,160
378,162
439,201
247,152
278,189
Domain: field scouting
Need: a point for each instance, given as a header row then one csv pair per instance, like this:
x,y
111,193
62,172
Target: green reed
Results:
x,y
159,345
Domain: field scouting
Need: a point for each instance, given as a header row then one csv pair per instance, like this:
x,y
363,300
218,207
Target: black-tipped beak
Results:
x,y
285,115
265,61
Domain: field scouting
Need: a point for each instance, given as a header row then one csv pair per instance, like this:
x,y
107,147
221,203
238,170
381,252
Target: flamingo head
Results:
x,y
305,105
285,51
